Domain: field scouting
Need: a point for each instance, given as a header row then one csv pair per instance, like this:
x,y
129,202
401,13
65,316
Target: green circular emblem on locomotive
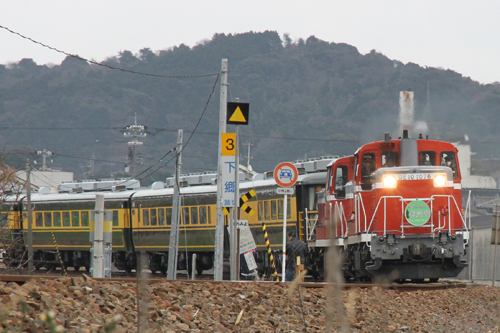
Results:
x,y
417,213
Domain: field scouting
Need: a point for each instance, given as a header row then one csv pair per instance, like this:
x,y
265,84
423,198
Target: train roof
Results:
x,y
311,171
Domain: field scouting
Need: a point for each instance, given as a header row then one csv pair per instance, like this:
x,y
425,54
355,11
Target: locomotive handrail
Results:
x,y
385,211
358,205
402,200
464,222
339,207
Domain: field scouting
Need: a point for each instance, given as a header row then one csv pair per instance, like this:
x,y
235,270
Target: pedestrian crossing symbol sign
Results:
x,y
237,113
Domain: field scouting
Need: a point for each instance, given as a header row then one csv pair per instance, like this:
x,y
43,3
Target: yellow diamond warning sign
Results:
x,y
237,113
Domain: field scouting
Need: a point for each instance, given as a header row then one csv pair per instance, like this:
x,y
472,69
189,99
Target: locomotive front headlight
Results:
x,y
439,180
389,181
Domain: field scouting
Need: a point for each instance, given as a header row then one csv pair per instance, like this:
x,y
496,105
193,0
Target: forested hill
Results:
x,y
307,98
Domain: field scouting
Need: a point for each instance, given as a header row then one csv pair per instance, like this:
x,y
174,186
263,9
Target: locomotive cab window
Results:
x,y
340,181
427,158
448,159
390,159
367,168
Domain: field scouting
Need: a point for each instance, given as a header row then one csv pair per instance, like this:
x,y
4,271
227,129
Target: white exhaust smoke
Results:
x,y
406,116
406,110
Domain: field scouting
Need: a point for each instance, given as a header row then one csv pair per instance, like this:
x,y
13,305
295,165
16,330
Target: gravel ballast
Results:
x,y
85,305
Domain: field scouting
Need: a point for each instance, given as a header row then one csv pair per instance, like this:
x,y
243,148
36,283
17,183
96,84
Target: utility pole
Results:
x,y
30,217
219,227
98,242
235,251
496,246
174,225
135,131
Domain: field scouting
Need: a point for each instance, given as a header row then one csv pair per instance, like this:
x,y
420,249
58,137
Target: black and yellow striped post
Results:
x,y
59,254
269,251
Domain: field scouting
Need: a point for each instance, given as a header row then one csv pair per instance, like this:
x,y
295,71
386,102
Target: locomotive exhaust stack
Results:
x,y
409,150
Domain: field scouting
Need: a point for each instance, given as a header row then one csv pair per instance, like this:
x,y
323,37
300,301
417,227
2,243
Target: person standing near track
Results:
x,y
294,248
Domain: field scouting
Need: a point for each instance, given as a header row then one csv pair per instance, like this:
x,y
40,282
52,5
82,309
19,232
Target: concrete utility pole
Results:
x,y
235,252
219,227
174,225
30,217
496,246
98,253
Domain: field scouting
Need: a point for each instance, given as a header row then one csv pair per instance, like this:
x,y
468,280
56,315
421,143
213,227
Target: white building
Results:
x,y
49,179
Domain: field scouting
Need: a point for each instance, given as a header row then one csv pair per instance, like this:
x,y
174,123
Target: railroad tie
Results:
x,y
59,254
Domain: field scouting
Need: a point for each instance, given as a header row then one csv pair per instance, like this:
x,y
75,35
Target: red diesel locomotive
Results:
x,y
394,209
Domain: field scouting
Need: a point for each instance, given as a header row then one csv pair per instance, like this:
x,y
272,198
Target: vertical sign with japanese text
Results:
x,y
228,162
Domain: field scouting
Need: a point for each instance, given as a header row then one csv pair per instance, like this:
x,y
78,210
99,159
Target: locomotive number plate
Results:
x,y
415,176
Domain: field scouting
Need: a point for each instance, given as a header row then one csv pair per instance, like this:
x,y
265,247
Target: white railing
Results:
x,y
443,224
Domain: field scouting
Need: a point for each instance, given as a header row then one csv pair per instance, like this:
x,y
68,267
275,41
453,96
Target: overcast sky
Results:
x,y
463,36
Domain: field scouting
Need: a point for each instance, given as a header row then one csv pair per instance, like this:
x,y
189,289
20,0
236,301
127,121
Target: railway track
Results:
x,y
150,279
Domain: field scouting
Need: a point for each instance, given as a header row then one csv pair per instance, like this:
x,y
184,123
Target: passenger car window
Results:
x,y
154,220
75,219
66,219
57,219
85,219
48,219
145,216
161,216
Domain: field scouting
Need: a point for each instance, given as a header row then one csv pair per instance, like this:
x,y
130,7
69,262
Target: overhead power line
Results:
x,y
174,130
105,65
